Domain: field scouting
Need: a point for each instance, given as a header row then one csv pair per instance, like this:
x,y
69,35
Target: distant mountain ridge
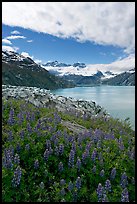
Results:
x,y
23,71
80,76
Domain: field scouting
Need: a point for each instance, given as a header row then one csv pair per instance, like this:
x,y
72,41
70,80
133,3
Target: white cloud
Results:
x,y
9,48
117,66
13,37
109,23
26,54
15,32
37,61
29,41
6,41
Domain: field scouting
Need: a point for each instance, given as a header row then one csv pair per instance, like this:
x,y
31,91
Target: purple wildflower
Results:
x,y
94,169
78,163
11,117
18,147
60,166
10,138
94,154
29,129
71,158
56,151
108,185
27,147
46,154
62,192
17,177
22,134
99,191
7,159
16,159
104,198
36,164
62,182
124,196
102,173
70,186
84,156
124,180
61,148
113,173
78,183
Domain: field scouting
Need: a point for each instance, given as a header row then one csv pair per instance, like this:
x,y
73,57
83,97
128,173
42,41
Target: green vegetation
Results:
x,y
43,161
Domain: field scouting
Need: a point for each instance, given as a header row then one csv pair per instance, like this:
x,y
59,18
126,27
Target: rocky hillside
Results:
x,y
23,71
123,79
44,98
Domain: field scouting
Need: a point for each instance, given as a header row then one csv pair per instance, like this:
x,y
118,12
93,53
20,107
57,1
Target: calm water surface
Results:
x,y
119,101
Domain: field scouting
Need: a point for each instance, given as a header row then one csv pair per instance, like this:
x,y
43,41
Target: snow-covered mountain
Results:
x,y
80,69
19,70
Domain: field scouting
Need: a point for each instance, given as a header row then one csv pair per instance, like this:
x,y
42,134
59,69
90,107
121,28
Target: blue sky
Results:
x,y
49,48
89,32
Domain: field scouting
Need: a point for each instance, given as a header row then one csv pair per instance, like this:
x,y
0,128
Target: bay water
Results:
x,y
118,101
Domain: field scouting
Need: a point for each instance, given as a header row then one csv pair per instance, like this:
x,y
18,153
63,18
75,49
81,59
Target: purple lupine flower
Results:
x,y
121,146
16,159
78,183
124,181
17,177
62,182
62,192
42,185
32,117
71,158
108,185
60,166
70,186
22,134
46,154
29,129
56,151
78,163
36,164
94,169
7,159
50,150
104,198
99,144
100,156
18,147
48,144
88,146
20,117
27,147
56,142
28,117
84,156
102,173
124,196
94,154
101,162
61,149
10,137
99,191
74,146
75,195
113,173
11,117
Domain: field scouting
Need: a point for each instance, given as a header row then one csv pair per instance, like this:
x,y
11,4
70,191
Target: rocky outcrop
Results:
x,y
44,98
